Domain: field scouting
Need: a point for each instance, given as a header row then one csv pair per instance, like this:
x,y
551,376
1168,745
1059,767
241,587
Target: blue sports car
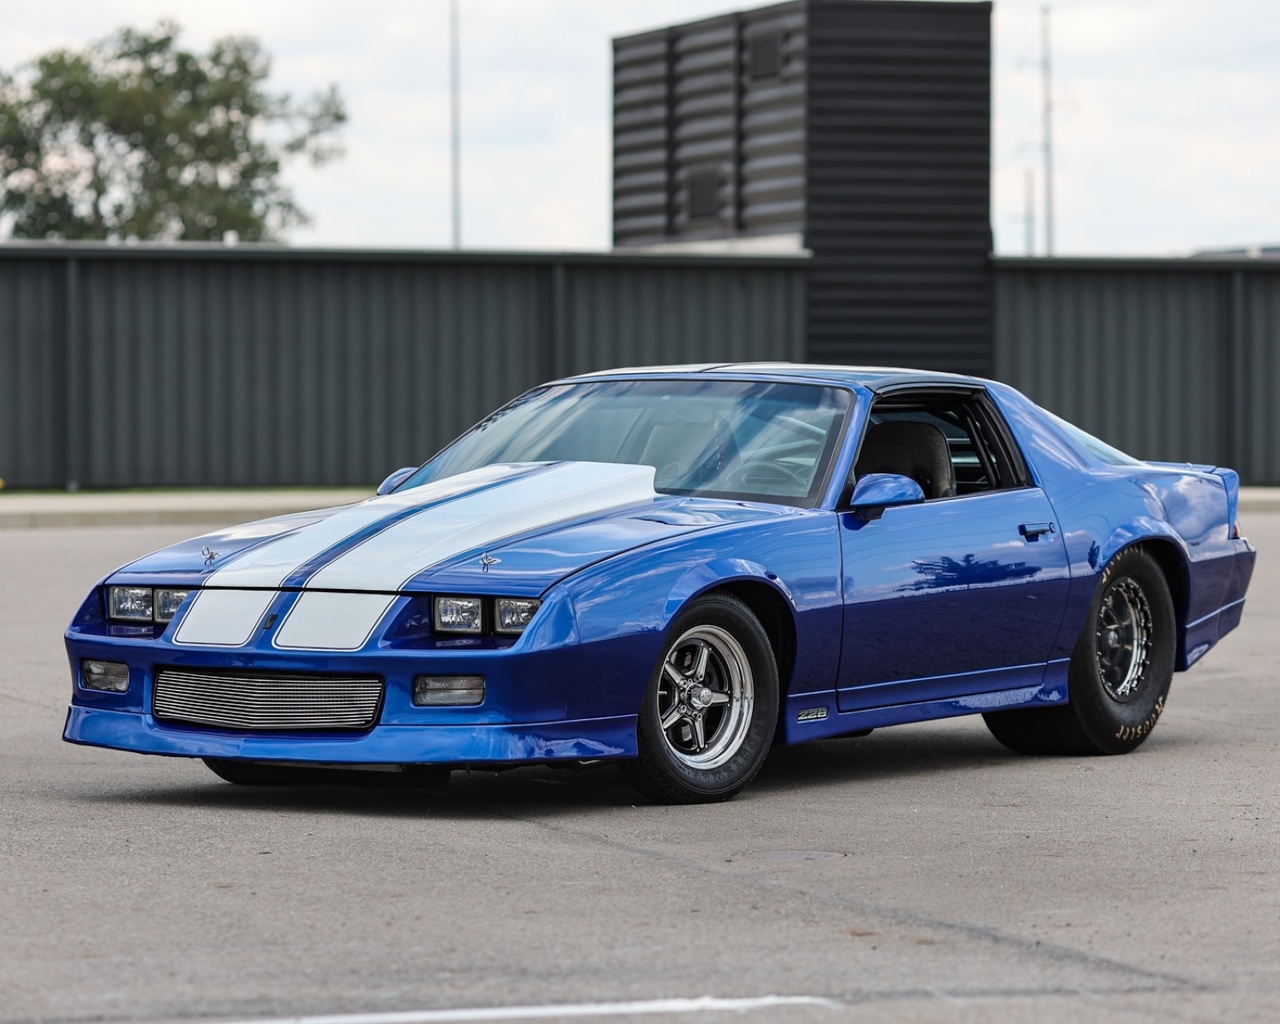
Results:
x,y
676,568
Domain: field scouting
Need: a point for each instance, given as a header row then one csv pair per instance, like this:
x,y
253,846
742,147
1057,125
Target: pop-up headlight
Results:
x,y
167,603
514,613
129,604
143,604
459,615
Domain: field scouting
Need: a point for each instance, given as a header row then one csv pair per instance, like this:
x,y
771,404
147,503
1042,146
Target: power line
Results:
x,y
1047,78
455,129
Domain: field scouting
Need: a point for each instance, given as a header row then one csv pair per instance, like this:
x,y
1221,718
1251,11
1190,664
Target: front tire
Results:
x,y
708,716
1120,672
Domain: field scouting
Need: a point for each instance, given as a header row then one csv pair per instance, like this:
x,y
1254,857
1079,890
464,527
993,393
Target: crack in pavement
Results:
x,y
1033,947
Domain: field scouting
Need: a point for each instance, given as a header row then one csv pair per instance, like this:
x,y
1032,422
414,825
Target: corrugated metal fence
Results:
x,y
140,366
137,366
1175,360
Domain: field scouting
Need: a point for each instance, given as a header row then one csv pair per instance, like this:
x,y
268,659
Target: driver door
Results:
x,y
962,593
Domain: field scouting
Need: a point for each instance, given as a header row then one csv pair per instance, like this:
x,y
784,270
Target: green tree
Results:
x,y
134,137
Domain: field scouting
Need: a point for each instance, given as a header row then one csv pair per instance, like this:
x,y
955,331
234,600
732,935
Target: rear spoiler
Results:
x,y
1231,481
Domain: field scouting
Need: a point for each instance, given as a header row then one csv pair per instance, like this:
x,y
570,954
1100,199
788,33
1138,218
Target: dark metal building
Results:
x,y
858,130
709,130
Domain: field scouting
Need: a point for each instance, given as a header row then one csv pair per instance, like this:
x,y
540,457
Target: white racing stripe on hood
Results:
x,y
223,618
322,621
390,559
270,564
227,610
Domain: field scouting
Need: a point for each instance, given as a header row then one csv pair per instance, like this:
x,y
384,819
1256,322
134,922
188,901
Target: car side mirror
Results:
x,y
874,492
396,479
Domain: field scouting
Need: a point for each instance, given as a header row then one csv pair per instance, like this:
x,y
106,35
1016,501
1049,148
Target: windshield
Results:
x,y
716,438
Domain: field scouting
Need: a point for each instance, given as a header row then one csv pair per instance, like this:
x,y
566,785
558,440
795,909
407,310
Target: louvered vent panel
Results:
x,y
704,193
764,51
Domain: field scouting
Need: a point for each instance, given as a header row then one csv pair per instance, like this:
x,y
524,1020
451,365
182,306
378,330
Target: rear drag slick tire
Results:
x,y
1120,672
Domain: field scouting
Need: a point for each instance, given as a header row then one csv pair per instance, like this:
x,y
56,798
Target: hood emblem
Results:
x,y
487,560
209,554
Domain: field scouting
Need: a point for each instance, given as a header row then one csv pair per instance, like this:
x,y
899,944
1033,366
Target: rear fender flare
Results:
x,y
1170,552
1136,531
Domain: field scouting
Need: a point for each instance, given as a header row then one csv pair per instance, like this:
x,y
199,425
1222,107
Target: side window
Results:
x,y
950,444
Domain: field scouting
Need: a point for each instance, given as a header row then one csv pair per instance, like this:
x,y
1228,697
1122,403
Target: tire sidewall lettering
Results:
x,y
1129,732
1116,727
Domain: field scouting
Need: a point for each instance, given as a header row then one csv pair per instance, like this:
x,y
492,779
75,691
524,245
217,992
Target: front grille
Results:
x,y
266,700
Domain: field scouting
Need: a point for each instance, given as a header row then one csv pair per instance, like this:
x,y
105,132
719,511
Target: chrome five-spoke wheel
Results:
x,y
707,718
705,697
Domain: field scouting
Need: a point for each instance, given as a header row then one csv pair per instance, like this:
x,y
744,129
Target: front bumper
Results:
x,y
536,706
584,739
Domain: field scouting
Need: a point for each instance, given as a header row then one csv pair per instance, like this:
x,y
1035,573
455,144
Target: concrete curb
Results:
x,y
1259,499
208,509
211,509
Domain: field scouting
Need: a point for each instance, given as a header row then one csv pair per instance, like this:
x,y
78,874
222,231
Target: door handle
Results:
x,y
1033,530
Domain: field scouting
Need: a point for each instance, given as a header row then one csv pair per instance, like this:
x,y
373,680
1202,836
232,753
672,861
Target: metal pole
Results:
x,y
1029,209
1048,130
455,123
74,392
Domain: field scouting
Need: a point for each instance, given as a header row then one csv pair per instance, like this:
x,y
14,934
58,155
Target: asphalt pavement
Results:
x,y
918,874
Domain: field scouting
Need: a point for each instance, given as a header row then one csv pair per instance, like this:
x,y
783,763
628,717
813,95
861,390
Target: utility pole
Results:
x,y
1048,130
455,123
1029,208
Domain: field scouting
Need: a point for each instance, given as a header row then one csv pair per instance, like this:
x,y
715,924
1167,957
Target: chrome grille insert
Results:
x,y
266,700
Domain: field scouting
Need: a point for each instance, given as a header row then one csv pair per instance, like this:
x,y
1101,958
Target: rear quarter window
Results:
x,y
1091,445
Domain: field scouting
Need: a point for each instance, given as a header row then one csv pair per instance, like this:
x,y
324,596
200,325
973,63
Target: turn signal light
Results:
x,y
111,676
448,691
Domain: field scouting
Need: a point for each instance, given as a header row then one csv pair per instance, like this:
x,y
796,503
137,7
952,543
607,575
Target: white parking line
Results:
x,y
702,1004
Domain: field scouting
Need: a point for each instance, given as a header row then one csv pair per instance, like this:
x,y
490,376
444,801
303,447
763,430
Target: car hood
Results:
x,y
511,529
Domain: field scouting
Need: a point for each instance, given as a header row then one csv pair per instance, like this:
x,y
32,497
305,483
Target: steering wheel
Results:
x,y
770,475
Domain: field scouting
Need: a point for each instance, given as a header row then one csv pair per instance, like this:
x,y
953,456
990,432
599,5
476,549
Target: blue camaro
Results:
x,y
677,568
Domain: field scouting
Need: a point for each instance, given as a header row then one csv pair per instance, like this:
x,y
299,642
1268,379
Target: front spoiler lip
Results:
x,y
582,739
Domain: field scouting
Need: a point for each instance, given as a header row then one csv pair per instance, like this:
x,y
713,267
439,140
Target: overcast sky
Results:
x,y
1167,130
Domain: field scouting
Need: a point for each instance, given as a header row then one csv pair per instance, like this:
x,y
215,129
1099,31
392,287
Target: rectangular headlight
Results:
x,y
129,604
514,613
167,603
459,615
111,676
448,691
